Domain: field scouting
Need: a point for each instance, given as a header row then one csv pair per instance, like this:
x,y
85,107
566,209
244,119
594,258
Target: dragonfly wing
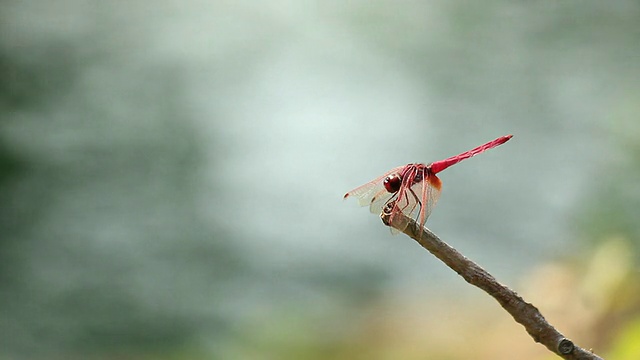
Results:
x,y
417,200
429,191
373,192
407,200
378,201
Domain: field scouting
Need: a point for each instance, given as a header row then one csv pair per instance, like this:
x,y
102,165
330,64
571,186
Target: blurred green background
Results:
x,y
171,177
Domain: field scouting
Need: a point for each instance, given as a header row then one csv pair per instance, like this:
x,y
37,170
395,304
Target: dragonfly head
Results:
x,y
392,183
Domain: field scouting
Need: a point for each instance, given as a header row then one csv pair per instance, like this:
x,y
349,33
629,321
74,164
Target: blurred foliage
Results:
x,y
595,302
613,207
626,345
98,199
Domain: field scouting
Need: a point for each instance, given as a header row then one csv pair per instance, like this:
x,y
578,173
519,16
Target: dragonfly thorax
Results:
x,y
392,183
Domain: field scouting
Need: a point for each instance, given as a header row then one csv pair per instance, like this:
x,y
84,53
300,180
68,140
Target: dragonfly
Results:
x,y
412,189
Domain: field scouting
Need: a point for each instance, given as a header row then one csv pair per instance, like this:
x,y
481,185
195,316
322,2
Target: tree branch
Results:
x,y
523,312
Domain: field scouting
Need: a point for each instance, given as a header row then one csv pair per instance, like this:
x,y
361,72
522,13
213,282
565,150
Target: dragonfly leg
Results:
x,y
417,199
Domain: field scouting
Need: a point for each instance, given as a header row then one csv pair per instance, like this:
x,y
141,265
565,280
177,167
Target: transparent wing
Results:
x,y
405,201
379,200
373,193
430,193
414,199
417,200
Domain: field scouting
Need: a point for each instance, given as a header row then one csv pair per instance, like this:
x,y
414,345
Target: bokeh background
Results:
x,y
172,173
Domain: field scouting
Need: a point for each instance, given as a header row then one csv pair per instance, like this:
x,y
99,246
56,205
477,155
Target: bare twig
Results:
x,y
523,312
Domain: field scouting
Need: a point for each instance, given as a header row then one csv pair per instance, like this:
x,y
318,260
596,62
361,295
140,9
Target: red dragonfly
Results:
x,y
412,189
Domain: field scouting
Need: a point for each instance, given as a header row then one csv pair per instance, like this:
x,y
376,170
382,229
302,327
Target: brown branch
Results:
x,y
523,312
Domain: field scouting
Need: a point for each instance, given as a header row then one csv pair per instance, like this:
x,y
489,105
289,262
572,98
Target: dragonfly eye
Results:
x,y
392,183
